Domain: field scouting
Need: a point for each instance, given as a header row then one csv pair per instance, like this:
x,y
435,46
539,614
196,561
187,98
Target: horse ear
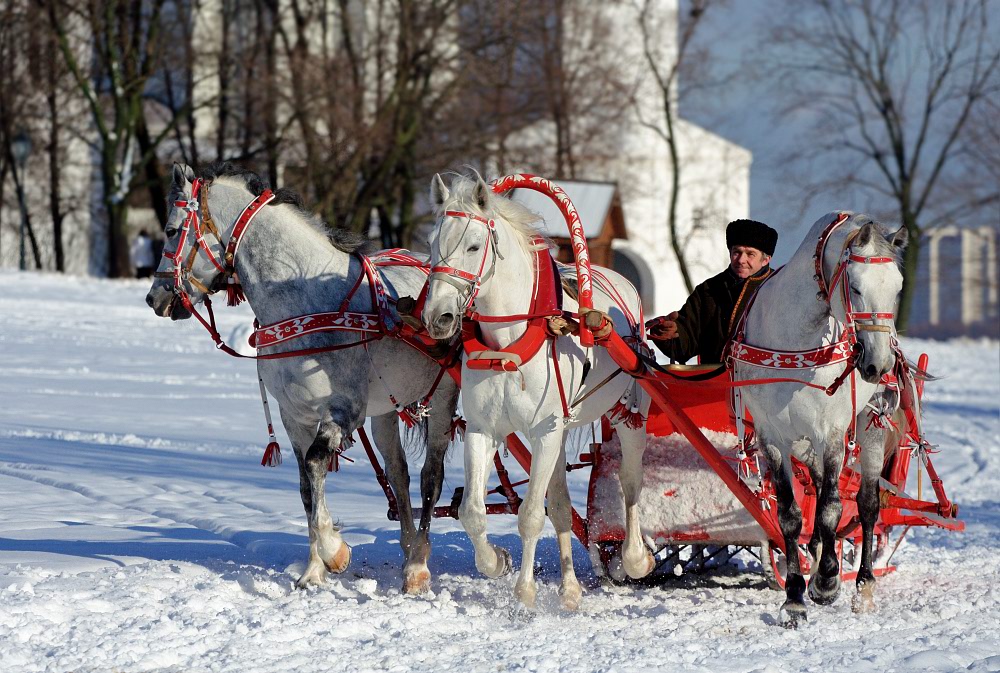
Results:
x,y
182,174
482,193
864,236
900,237
439,191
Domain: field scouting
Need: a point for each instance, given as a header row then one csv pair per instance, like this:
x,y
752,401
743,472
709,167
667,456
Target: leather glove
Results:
x,y
663,328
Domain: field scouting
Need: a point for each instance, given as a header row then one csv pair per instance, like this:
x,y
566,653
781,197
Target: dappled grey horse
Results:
x,y
854,263
290,265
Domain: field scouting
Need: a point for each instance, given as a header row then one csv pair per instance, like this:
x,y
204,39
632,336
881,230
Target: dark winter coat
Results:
x,y
705,323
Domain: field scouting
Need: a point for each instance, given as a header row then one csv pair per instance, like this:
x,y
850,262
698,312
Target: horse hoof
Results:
x,y
314,576
864,601
417,582
570,597
824,590
526,594
503,564
638,567
792,615
340,560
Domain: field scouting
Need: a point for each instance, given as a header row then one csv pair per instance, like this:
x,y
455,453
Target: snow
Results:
x,y
138,532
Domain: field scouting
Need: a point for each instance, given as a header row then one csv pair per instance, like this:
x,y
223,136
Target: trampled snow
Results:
x,y
138,532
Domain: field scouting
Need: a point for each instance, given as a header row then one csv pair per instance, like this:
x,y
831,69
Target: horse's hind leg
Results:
x,y
824,588
560,513
327,551
793,610
872,442
637,560
416,575
491,560
385,431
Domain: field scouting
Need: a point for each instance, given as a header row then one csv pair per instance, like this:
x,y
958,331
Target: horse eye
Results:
x,y
854,290
170,232
474,248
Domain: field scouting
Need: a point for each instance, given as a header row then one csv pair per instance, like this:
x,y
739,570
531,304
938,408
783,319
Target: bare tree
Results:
x,y
16,106
125,37
666,67
891,86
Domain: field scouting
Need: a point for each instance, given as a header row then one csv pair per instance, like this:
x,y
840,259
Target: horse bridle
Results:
x,y
841,277
225,261
468,284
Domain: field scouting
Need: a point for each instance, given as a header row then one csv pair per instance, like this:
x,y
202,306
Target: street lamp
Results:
x,y
20,146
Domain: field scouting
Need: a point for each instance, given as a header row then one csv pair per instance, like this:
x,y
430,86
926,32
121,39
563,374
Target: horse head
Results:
x,y
872,282
182,269
465,247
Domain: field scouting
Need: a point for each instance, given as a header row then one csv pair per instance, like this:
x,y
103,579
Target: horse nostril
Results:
x,y
870,371
149,300
445,320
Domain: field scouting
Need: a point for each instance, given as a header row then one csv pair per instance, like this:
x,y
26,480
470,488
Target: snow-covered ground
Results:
x,y
138,532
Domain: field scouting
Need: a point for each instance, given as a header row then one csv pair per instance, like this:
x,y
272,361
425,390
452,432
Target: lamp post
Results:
x,y
20,146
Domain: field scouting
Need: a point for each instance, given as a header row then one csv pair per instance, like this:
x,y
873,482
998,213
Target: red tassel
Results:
x,y
632,418
234,294
272,455
405,415
457,428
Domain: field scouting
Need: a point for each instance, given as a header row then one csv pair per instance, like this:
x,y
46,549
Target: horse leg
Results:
x,y
545,452
491,560
637,559
793,610
416,575
385,431
560,513
872,442
824,588
327,551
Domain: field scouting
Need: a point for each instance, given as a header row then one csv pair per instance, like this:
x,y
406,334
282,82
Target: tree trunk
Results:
x,y
154,178
675,190
911,260
119,264
25,216
55,195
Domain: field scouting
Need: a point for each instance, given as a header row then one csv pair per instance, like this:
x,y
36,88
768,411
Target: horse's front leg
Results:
x,y
327,551
491,560
385,431
546,448
793,611
824,587
637,559
561,515
872,457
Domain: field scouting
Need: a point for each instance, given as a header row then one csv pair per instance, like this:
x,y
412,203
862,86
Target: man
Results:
x,y
705,323
142,255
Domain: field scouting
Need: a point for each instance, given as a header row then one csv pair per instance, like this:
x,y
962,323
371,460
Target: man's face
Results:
x,y
746,261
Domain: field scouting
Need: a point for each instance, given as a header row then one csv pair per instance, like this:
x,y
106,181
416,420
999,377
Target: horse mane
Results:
x,y
239,176
883,248
523,221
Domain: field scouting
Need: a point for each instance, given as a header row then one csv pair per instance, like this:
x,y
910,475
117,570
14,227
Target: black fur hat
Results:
x,y
753,234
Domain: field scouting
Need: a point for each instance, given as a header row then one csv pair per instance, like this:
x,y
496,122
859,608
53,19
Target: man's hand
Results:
x,y
663,328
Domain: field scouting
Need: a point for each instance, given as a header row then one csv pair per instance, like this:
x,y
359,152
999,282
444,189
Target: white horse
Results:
x,y
495,267
861,259
290,265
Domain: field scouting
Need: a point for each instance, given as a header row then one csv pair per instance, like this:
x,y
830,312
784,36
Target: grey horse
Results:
x,y
290,265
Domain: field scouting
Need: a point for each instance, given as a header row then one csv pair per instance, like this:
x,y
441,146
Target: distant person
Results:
x,y
142,255
705,323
